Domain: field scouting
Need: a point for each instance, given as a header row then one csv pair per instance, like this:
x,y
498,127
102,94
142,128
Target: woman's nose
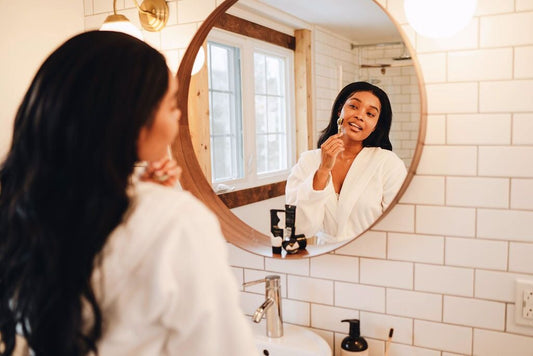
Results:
x,y
358,115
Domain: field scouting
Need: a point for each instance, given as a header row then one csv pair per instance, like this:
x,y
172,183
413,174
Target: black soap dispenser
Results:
x,y
354,343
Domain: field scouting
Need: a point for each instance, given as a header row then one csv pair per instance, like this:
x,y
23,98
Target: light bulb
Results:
x,y
439,18
120,23
198,61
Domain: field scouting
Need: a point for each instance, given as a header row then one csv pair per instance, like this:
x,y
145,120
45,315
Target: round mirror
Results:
x,y
265,92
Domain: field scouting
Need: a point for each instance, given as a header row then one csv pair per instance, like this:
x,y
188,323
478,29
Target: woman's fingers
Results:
x,y
165,171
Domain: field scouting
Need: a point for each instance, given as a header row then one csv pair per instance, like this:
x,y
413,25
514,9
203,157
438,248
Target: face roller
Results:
x,y
340,120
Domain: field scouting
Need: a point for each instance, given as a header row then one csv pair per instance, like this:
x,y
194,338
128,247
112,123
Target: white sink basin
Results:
x,y
296,341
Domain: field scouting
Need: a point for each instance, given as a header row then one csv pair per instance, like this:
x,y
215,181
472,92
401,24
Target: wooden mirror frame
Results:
x,y
192,179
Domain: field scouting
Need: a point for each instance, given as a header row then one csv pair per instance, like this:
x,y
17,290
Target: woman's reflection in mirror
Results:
x,y
90,263
342,187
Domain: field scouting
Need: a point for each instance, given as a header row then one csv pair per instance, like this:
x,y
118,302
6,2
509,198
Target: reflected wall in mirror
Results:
x,y
273,71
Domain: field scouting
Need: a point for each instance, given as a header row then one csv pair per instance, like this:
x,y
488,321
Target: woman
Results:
x,y
341,188
89,263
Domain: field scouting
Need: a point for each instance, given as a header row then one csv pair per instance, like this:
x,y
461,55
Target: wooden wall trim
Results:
x,y
251,29
303,93
252,195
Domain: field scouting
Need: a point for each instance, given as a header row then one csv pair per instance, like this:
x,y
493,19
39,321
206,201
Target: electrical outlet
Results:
x,y
527,304
524,302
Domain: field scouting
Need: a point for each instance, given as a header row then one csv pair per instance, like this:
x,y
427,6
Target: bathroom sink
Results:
x,y
296,341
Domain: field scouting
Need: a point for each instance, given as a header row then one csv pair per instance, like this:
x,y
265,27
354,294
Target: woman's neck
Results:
x,y
351,149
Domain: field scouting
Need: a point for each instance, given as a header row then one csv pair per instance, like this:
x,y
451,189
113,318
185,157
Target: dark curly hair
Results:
x,y
63,185
380,136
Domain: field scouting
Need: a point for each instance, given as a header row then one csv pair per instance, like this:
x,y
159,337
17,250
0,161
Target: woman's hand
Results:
x,y
165,172
329,152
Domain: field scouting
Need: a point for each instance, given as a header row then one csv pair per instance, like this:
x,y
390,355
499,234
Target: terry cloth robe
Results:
x,y
371,183
165,286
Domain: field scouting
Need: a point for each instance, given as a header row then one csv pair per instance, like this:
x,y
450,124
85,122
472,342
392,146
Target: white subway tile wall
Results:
x,y
444,279
522,127
436,130
476,191
474,312
440,269
329,318
488,254
370,244
427,306
491,7
341,268
485,64
433,67
442,336
416,248
493,343
484,129
401,218
496,285
524,5
425,190
387,273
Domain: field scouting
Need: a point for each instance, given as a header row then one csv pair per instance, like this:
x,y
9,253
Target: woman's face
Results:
x,y
360,113
153,141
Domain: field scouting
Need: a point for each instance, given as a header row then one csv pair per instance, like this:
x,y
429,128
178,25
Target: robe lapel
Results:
x,y
359,175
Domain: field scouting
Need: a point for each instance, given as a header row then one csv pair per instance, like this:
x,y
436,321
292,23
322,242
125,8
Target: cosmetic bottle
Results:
x,y
290,221
354,343
277,232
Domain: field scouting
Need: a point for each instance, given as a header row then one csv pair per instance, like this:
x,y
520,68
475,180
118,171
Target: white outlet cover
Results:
x,y
523,287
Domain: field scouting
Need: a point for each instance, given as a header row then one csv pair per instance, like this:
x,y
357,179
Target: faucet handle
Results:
x,y
267,279
253,283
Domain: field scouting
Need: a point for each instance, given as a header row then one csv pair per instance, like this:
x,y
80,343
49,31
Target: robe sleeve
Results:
x,y
196,290
310,203
394,174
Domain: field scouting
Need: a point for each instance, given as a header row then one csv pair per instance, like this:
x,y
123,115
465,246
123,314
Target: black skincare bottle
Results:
x,y
354,343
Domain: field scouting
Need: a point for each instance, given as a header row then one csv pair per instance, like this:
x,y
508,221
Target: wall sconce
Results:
x,y
439,18
153,15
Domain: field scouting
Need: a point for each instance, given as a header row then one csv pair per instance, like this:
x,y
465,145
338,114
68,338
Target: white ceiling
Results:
x,y
361,21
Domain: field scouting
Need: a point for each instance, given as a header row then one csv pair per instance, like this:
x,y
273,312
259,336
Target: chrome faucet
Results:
x,y
271,308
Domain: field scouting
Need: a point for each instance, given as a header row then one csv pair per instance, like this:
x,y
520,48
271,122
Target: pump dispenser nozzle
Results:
x,y
354,343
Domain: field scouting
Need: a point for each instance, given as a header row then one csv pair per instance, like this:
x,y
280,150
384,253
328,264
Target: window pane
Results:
x,y
219,58
261,114
259,73
220,113
276,117
262,154
225,112
274,75
271,142
221,158
274,153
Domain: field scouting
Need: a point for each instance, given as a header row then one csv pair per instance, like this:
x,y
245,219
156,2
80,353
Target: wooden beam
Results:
x,y
252,195
251,29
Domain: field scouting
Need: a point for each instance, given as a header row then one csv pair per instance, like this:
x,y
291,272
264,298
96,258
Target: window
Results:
x,y
251,103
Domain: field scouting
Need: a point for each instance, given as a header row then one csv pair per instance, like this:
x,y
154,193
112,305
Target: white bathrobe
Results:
x,y
371,183
165,286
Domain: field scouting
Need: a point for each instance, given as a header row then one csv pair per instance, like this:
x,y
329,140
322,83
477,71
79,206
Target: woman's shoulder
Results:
x,y
154,199
387,157
381,152
310,155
